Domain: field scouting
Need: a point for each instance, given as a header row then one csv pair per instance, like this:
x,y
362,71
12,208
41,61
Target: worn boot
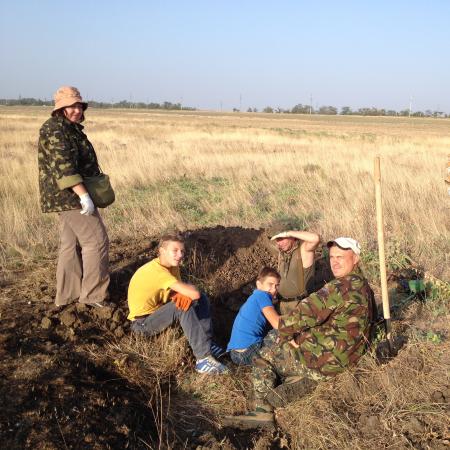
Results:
x,y
292,389
261,417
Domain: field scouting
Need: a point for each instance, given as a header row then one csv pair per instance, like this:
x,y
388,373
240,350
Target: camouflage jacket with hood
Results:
x,y
65,157
332,326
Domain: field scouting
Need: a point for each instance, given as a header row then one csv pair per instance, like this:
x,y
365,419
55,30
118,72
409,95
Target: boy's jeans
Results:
x,y
195,322
245,358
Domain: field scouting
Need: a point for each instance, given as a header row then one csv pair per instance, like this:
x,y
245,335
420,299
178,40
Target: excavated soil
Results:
x,y
54,395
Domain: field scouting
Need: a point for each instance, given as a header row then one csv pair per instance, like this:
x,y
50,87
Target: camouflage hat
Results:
x,y
278,227
67,96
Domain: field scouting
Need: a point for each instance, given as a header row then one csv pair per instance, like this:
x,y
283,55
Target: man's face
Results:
x,y
74,113
285,244
342,261
270,285
171,254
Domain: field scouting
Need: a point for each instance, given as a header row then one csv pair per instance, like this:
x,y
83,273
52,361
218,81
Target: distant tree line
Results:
x,y
122,104
347,111
297,109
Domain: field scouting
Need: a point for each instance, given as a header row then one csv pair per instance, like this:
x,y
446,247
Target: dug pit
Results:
x,y
62,387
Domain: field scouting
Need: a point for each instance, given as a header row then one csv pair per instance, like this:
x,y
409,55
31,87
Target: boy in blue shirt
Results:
x,y
251,323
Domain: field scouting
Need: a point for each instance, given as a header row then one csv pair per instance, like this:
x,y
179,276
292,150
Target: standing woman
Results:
x,y
65,158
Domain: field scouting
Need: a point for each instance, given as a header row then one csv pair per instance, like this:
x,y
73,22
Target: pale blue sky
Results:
x,y
278,53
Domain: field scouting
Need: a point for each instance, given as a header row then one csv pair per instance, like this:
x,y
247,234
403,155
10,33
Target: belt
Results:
x,y
293,299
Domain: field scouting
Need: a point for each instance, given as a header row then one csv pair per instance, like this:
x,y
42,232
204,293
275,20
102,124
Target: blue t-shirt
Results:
x,y
250,325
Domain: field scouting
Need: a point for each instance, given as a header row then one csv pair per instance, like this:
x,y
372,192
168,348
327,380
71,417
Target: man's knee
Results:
x,y
263,375
269,344
260,363
201,308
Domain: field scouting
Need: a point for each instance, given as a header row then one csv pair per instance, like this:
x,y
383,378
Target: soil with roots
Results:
x,y
56,392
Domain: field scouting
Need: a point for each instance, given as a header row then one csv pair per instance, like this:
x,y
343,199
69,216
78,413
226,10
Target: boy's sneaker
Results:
x,y
216,350
210,366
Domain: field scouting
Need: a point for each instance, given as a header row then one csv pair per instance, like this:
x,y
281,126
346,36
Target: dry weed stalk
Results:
x,y
224,395
160,357
153,365
180,399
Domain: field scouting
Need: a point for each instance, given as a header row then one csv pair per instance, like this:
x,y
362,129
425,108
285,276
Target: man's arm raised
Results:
x,y
310,241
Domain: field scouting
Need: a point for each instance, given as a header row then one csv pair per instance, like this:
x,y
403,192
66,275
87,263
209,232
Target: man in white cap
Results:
x,y
325,334
295,250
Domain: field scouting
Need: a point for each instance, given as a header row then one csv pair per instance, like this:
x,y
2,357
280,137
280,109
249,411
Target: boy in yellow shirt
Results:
x,y
157,298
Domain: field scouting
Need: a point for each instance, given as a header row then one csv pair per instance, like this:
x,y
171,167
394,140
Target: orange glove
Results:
x,y
182,302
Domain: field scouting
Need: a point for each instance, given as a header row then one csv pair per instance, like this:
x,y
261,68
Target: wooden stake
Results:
x,y
381,252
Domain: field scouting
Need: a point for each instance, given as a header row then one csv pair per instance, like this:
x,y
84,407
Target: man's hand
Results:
x,y
87,205
181,301
282,235
293,343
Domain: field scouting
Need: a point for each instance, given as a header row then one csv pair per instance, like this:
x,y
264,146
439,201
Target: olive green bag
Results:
x,y
100,190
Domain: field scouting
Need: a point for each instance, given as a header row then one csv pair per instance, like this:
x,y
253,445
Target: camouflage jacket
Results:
x,y
331,326
65,157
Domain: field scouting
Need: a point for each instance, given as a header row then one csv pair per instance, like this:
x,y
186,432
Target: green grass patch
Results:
x,y
190,197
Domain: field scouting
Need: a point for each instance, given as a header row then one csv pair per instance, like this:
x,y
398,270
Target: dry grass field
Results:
x,y
79,379
199,169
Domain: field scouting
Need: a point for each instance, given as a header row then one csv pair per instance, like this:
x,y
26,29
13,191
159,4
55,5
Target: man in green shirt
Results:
x,y
295,251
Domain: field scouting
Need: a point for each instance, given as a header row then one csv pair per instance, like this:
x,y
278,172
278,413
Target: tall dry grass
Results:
x,y
197,169
399,405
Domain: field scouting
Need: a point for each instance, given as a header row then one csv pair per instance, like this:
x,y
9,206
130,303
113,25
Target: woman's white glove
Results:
x,y
87,205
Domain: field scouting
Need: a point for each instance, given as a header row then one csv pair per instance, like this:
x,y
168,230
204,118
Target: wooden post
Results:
x,y
381,252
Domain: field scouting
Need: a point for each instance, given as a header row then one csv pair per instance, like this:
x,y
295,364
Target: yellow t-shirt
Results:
x,y
150,287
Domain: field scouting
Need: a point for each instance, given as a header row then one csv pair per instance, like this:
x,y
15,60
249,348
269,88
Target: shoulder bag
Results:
x,y
100,189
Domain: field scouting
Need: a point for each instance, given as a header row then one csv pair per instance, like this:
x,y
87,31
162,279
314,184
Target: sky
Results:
x,y
230,54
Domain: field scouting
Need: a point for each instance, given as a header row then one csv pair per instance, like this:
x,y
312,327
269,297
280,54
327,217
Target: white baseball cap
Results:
x,y
346,243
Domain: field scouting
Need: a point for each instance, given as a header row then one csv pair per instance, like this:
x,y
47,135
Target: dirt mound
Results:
x,y
55,394
75,378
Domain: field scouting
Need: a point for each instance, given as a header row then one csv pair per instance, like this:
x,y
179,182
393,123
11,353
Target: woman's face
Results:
x,y
74,113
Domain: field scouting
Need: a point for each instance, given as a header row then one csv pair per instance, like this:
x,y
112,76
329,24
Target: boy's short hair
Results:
x,y
268,272
170,237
